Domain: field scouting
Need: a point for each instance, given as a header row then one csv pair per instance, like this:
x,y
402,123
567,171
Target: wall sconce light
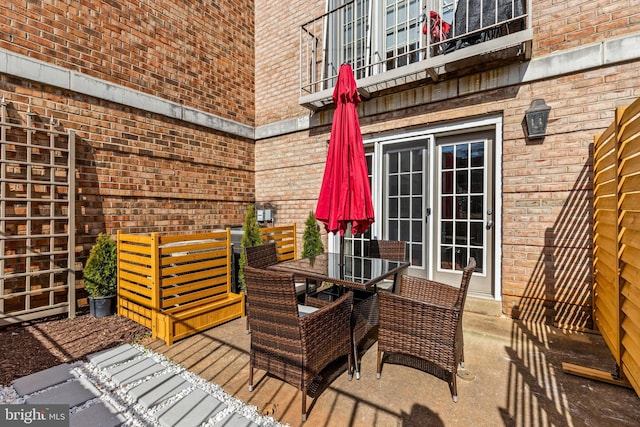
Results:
x,y
537,117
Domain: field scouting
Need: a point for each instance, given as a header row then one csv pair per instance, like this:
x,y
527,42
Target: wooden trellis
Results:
x,y
37,240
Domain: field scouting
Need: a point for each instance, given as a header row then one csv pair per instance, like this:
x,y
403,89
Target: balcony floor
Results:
x,y
516,379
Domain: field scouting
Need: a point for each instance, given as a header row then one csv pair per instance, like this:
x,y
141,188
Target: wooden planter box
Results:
x,y
177,285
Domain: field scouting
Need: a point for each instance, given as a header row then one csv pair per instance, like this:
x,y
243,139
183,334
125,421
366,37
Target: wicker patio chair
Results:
x,y
421,326
261,256
388,249
287,345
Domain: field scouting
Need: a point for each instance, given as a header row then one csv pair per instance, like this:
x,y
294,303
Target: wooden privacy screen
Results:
x,y
616,240
177,285
284,238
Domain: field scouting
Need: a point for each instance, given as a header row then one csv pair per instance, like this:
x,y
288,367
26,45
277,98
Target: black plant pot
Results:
x,y
102,306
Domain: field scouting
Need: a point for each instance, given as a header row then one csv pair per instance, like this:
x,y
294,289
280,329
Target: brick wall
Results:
x,y
139,172
277,57
561,25
200,54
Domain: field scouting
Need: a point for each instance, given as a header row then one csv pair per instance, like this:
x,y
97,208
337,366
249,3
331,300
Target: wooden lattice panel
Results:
x,y
37,236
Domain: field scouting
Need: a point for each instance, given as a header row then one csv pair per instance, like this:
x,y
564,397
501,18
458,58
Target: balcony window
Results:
x,y
379,36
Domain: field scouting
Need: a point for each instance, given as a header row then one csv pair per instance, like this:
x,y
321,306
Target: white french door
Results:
x,y
464,214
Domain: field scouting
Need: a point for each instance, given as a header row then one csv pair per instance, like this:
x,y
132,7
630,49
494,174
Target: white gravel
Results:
x,y
136,414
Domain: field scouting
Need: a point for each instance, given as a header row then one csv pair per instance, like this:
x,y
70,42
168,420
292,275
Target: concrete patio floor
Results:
x,y
515,379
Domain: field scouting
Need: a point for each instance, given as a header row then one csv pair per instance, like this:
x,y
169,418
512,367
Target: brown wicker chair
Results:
x,y
421,326
291,347
261,256
388,249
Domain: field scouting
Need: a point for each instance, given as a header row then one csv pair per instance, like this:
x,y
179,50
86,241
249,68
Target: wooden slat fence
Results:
x,y
616,241
177,285
284,237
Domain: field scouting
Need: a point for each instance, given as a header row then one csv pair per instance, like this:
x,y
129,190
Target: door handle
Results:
x,y
489,225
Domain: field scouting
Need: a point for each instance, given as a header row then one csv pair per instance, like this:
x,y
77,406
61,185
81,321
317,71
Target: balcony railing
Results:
x,y
418,40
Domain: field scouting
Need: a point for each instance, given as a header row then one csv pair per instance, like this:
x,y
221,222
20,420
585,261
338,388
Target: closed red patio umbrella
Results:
x,y
345,195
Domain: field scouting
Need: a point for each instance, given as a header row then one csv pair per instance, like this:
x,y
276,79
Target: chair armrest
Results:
x,y
326,333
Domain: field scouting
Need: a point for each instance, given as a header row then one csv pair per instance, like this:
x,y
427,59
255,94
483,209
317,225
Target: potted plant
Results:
x,y
250,237
100,276
312,242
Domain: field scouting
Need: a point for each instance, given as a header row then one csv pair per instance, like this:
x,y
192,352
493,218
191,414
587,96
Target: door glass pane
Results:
x,y
462,183
446,207
477,207
393,230
477,155
461,207
477,181
462,155
416,182
416,231
476,233
446,257
462,172
416,254
405,185
447,157
392,162
393,208
405,230
416,207
393,185
477,253
447,232
405,162
447,182
461,257
461,233
405,207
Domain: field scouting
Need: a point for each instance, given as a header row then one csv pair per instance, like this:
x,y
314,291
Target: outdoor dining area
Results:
x,y
420,325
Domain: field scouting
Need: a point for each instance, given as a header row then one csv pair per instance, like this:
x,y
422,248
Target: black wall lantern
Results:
x,y
537,117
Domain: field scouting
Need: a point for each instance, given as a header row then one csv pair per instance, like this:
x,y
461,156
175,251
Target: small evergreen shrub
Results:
x,y
100,272
311,238
250,237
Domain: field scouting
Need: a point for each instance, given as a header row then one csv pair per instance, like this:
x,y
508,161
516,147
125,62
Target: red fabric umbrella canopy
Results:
x,y
345,195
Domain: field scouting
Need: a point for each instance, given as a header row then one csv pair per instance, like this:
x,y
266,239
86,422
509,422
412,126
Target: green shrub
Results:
x,y
311,238
250,237
100,272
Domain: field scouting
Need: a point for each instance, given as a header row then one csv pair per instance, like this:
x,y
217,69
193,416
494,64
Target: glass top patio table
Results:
x,y
356,272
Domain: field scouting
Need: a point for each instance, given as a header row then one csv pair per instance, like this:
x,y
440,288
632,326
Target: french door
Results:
x,y
437,195
463,226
